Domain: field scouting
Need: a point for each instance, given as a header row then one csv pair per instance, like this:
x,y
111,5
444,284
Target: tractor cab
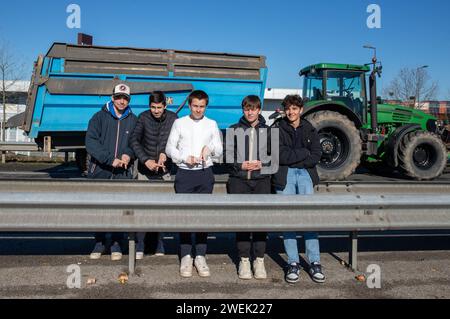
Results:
x,y
341,84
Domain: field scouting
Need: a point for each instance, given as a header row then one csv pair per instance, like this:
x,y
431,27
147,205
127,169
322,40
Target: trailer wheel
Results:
x,y
341,145
422,155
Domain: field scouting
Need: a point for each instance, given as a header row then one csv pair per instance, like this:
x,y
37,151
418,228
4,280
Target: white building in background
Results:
x,y
16,105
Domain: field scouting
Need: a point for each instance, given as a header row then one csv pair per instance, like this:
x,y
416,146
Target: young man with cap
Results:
x,y
251,142
111,157
194,142
300,152
148,142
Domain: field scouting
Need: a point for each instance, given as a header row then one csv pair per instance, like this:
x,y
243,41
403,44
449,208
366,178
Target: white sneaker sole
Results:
x,y
248,277
261,277
116,257
204,274
95,256
139,256
185,274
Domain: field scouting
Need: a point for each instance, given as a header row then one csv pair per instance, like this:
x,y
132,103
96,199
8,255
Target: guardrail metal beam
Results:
x,y
18,147
132,186
220,213
134,212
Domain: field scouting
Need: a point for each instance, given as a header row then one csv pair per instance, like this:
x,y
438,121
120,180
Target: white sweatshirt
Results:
x,y
188,137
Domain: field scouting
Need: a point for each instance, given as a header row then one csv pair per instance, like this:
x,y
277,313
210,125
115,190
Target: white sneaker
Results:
x,y
97,252
116,252
139,255
202,266
140,250
186,266
259,269
245,271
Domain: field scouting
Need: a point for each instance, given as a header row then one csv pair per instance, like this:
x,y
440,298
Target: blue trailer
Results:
x,y
72,82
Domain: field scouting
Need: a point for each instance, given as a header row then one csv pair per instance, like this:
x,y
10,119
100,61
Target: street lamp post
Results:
x,y
417,84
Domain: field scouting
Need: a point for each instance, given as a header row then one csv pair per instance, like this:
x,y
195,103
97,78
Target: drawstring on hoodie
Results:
x,y
110,107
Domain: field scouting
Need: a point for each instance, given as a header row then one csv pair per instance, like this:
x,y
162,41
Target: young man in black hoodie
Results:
x,y
251,142
148,142
111,157
300,151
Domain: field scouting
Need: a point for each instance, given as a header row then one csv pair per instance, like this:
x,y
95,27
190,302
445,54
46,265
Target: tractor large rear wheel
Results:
x,y
422,155
341,145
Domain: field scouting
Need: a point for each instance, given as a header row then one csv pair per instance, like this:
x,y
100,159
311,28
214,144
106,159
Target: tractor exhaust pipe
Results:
x,y
373,101
376,70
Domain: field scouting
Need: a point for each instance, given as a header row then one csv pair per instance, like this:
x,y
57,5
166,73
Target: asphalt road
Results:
x,y
36,267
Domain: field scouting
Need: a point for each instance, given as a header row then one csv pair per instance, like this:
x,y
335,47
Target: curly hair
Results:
x,y
292,100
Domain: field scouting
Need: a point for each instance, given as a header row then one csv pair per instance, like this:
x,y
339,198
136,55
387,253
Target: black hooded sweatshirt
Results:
x,y
299,148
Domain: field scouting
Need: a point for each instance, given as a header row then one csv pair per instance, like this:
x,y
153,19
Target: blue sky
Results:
x,y
291,34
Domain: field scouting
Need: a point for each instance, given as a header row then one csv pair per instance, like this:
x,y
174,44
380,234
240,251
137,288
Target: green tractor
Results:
x,y
354,128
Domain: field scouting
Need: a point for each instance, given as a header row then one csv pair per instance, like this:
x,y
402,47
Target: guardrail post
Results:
x,y
131,253
353,253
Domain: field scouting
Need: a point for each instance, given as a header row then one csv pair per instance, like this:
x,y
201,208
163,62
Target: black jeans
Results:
x,y
244,240
194,182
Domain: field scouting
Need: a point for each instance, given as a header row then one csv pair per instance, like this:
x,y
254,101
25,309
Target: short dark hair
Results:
x,y
200,95
292,100
157,97
252,102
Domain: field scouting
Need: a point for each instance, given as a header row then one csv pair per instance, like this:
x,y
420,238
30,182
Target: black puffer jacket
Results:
x,y
107,138
150,137
262,149
299,148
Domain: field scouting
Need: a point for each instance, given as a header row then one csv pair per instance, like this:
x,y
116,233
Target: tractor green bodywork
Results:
x,y
344,89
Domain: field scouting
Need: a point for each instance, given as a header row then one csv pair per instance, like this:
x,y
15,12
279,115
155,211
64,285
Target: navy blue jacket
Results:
x,y
299,148
107,139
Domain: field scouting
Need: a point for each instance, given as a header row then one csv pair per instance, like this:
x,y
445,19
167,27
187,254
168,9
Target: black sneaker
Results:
x,y
293,273
315,271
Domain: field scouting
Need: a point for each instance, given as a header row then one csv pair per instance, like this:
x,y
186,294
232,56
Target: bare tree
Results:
x,y
412,86
11,71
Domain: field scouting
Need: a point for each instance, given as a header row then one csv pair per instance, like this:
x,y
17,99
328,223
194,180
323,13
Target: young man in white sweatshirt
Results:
x,y
194,143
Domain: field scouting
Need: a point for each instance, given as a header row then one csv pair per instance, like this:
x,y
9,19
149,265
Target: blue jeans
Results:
x,y
299,183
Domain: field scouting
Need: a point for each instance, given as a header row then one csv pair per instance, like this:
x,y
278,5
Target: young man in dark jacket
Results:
x,y
148,142
251,142
111,157
300,151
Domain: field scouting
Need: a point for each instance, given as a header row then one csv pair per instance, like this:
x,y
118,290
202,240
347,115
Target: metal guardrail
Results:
x,y
18,147
220,213
132,212
135,186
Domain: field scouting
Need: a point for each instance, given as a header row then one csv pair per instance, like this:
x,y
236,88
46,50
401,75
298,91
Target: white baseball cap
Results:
x,y
122,89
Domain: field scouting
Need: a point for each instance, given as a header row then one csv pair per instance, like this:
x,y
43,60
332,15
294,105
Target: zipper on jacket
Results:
x,y
117,139
250,150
